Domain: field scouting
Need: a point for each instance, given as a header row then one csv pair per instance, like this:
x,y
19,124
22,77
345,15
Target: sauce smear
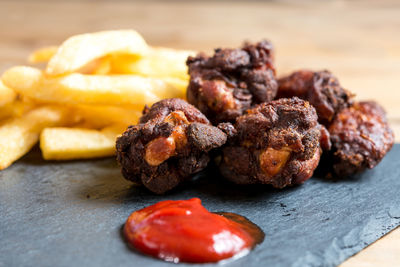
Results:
x,y
184,231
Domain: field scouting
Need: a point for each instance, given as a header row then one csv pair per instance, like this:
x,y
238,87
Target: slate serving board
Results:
x,y
71,214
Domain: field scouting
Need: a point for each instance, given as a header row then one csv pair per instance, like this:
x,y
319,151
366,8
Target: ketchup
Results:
x,y
184,231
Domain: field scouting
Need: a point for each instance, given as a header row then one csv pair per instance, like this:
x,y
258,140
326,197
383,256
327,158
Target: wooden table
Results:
x,y
358,41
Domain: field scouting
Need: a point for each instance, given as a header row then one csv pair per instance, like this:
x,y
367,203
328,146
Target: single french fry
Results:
x,y
97,66
8,111
89,89
43,54
18,135
99,116
14,109
178,83
78,143
159,62
79,50
7,95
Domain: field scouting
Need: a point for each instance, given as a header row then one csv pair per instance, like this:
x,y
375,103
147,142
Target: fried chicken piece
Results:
x,y
231,81
320,88
361,137
170,143
274,143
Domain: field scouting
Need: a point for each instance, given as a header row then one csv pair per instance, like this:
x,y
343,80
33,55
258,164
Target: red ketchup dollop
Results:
x,y
184,231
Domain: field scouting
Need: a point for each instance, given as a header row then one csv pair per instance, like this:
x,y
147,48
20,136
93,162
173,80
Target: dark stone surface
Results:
x,y
71,214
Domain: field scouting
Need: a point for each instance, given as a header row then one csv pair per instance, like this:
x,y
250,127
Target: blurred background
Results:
x,y
359,41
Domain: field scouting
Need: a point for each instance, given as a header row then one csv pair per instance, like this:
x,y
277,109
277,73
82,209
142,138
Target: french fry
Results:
x,y
43,54
96,80
159,62
100,66
7,95
89,89
18,135
100,116
14,109
178,83
80,50
77,143
8,111
97,66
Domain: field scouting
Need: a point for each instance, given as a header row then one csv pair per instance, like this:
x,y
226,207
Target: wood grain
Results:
x,y
359,41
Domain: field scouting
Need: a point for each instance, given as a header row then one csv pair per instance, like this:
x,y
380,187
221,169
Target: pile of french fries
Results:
x,y
92,87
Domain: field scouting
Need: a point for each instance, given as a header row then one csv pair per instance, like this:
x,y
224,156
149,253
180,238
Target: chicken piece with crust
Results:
x,y
170,143
231,81
276,143
320,88
360,137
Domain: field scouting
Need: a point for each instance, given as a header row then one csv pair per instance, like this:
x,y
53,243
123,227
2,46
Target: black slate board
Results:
x,y
71,214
